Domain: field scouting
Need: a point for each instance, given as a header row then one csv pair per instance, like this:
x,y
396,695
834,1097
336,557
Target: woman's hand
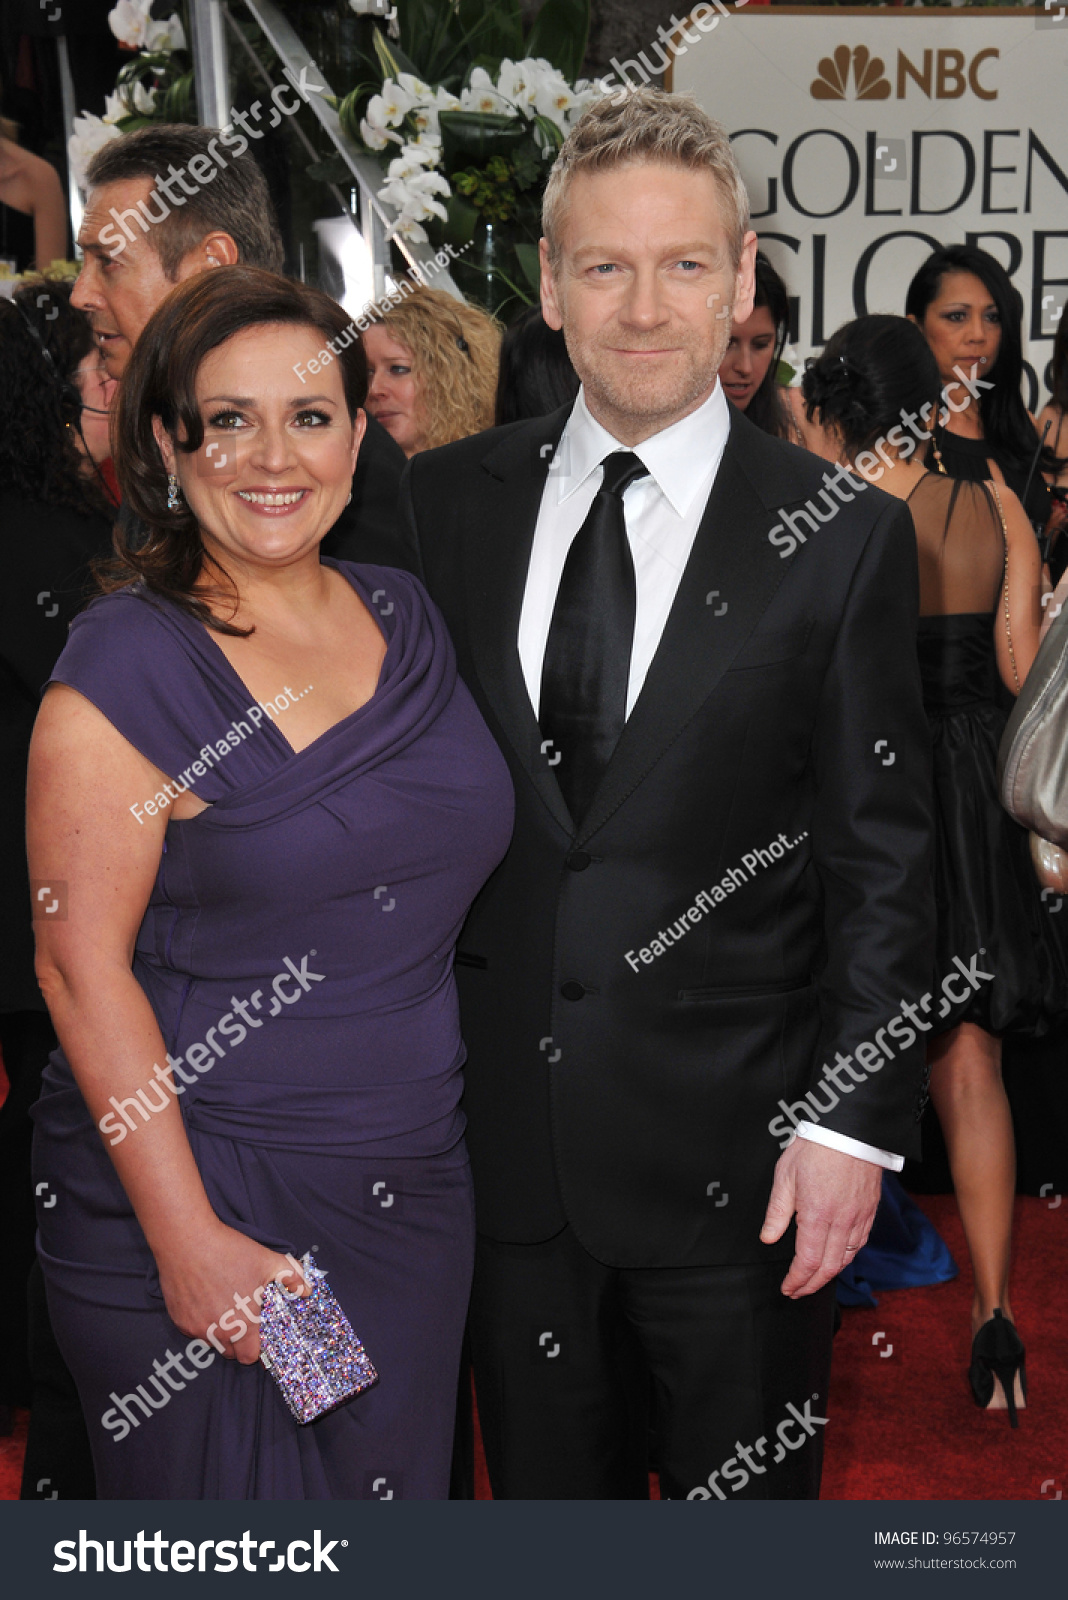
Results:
x,y
213,1284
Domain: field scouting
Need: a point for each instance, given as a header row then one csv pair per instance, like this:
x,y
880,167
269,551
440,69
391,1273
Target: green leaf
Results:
x,y
463,220
392,58
498,27
477,135
530,261
559,34
550,130
785,374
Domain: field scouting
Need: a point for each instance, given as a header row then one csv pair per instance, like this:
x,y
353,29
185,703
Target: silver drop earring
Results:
x,y
174,493
348,502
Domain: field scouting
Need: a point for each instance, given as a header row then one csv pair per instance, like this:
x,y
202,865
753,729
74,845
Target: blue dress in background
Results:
x,y
300,939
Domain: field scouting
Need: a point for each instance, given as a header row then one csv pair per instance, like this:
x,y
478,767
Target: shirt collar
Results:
x,y
679,458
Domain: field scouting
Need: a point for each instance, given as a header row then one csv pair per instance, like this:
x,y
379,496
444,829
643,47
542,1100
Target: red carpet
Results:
x,y
904,1426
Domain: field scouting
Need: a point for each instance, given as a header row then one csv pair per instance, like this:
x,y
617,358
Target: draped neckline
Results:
x,y
216,651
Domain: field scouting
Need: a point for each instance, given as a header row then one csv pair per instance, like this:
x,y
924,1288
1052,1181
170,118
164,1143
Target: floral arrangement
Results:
x,y
467,134
156,86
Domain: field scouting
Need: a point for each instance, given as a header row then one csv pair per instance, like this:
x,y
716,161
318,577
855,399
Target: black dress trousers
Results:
x,y
577,1363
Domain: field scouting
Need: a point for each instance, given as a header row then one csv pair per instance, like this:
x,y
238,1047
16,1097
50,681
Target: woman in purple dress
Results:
x,y
261,803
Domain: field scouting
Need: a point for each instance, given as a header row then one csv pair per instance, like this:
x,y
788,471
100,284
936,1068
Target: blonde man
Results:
x,y
716,898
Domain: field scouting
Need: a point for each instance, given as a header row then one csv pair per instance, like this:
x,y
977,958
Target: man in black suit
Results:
x,y
696,646
132,262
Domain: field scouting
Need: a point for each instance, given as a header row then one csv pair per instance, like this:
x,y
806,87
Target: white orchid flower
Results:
x,y
90,135
132,25
114,108
395,103
481,93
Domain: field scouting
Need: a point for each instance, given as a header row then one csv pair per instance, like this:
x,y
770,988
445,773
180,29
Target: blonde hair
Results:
x,y
646,125
457,385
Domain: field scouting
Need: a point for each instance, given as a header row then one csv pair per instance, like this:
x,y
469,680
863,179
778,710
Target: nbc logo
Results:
x,y
869,75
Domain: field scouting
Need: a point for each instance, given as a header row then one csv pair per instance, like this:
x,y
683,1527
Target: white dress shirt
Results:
x,y
662,514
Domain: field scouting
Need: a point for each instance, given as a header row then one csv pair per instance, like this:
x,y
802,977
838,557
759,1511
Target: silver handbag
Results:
x,y
1033,758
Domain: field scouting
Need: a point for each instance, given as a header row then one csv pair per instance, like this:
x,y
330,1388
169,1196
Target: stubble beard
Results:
x,y
644,401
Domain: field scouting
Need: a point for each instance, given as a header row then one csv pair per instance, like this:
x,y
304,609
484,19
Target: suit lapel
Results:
x,y
497,555
733,562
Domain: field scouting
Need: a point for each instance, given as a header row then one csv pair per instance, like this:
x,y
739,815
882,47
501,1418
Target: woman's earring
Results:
x,y
174,493
348,502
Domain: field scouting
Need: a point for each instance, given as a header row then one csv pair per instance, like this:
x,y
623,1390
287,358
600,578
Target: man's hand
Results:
x,y
835,1197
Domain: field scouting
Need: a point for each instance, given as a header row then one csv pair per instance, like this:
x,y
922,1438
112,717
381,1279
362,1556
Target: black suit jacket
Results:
x,y
635,1104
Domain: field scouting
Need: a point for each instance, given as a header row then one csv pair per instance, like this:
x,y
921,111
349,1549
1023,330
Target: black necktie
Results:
x,y
587,655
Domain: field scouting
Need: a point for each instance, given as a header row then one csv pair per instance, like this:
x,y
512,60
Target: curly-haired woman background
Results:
x,y
432,366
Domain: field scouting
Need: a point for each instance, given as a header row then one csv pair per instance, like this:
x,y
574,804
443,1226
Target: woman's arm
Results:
x,y
49,216
1025,587
83,778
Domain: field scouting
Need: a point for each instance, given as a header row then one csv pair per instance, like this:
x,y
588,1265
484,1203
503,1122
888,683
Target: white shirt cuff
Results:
x,y
850,1147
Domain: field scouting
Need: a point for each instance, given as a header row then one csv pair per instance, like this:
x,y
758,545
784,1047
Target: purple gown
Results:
x,y
297,952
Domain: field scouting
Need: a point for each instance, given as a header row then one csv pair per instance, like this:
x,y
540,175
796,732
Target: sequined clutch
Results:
x,y
308,1346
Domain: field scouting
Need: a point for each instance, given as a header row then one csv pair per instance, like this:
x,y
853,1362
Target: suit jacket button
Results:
x,y
573,991
578,860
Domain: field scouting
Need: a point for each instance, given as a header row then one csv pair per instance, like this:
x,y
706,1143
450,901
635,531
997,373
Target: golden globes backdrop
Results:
x,y
866,138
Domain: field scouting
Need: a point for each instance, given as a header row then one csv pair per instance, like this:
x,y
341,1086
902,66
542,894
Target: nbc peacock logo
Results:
x,y
869,76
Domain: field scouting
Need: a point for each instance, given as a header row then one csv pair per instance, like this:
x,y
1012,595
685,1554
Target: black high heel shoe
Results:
x,y
997,1352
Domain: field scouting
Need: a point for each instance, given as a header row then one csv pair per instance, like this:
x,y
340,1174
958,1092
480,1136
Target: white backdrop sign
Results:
x,y
868,137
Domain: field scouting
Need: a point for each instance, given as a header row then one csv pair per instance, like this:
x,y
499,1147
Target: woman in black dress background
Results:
x,y
969,313
55,518
970,537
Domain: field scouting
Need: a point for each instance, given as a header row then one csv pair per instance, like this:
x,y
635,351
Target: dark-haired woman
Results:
x,y
749,370
535,374
968,311
1054,413
977,554
55,519
272,801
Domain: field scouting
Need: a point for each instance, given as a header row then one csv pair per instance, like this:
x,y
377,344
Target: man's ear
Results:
x,y
550,307
166,446
745,279
216,249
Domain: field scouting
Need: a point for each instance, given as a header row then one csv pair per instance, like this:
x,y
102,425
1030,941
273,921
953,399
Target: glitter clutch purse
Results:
x,y
308,1346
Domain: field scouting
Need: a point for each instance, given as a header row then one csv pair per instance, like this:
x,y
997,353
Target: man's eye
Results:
x,y
605,267
696,265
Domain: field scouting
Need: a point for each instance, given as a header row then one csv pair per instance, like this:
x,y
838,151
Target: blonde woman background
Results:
x,y
432,366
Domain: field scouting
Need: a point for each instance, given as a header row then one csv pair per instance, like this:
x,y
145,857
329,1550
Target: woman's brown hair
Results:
x,y
167,555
